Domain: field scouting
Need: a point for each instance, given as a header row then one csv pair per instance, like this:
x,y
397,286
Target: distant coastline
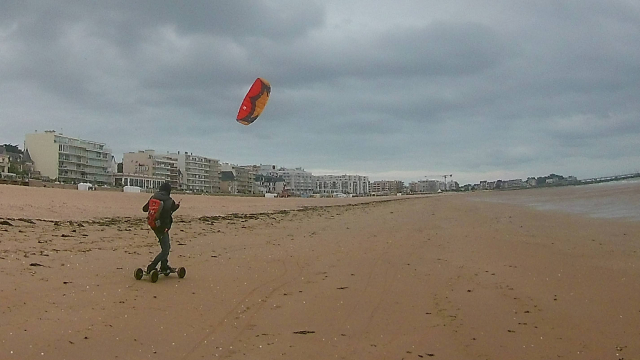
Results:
x,y
613,199
557,181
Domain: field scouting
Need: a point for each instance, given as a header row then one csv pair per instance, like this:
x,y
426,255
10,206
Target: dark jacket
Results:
x,y
168,208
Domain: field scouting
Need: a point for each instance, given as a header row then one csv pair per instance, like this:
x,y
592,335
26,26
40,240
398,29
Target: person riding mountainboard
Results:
x,y
161,202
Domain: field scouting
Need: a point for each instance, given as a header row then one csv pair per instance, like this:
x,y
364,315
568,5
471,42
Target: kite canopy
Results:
x,y
254,102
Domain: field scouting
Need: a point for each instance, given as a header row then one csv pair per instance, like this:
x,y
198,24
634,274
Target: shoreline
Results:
x,y
620,201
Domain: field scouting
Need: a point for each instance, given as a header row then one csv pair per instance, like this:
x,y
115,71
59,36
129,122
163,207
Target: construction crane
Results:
x,y
450,176
442,176
445,180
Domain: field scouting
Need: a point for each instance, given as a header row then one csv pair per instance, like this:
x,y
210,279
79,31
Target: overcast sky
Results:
x,y
398,89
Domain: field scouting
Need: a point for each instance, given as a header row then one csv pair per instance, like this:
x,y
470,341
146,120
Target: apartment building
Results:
x,y
245,178
4,163
297,181
514,184
68,159
426,186
238,179
386,187
150,168
342,184
198,173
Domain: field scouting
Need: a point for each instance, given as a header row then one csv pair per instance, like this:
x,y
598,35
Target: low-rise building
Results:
x,y
268,184
15,155
140,180
4,163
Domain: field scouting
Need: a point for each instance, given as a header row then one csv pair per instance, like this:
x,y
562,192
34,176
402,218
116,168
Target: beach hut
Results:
x,y
132,189
84,186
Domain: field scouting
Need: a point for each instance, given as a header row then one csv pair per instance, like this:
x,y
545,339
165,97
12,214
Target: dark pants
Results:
x,y
163,256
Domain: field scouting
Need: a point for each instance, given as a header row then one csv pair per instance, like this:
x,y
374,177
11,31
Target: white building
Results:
x,y
297,181
271,170
342,184
185,171
452,185
70,160
198,173
139,180
149,167
514,184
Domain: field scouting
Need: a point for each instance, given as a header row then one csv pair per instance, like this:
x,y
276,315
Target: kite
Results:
x,y
254,102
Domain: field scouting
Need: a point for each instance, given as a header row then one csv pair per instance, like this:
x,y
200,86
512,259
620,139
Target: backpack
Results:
x,y
153,215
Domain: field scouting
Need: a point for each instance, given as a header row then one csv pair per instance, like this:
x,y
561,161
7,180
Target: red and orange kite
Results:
x,y
254,102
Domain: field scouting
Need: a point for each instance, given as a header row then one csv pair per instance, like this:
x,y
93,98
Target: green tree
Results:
x,y
15,169
14,149
541,180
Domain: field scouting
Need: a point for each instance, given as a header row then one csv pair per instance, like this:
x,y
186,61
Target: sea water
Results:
x,y
615,200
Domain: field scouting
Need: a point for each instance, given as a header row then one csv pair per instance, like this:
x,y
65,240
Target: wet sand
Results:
x,y
613,200
445,277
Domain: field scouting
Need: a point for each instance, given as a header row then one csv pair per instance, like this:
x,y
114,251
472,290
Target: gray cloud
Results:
x,y
403,88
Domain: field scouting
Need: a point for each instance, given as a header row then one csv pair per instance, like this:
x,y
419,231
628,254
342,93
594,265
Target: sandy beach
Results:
x,y
443,277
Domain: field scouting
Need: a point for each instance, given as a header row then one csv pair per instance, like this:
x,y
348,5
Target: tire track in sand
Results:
x,y
239,319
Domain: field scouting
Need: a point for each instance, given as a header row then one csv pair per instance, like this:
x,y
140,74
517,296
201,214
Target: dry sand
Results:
x,y
60,204
440,277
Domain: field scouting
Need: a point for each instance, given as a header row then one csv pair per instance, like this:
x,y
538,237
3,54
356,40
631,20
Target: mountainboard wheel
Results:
x,y
154,275
181,272
138,273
